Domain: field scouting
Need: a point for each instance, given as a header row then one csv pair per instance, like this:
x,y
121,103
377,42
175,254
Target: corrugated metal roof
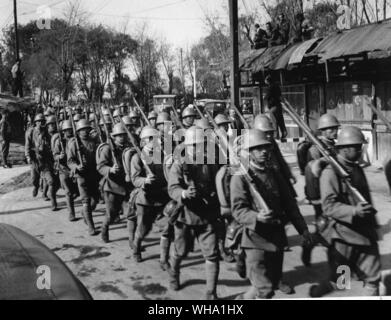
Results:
x,y
266,59
363,39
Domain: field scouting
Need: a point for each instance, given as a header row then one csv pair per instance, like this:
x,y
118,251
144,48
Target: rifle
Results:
x,y
224,145
59,130
76,138
244,122
177,118
97,125
136,147
330,158
141,111
372,105
109,141
86,112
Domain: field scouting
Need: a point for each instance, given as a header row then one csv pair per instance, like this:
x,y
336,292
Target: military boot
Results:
x,y
131,232
212,274
87,214
137,250
52,192
173,273
105,232
71,208
226,256
164,253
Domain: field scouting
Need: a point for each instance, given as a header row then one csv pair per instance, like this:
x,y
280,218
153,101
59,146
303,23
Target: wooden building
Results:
x,y
342,74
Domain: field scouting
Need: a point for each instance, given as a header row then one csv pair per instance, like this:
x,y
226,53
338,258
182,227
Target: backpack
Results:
x,y
302,155
223,180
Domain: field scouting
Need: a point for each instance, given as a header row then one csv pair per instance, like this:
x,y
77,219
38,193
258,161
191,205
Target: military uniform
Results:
x,y
38,151
352,239
88,179
113,185
264,243
64,172
150,199
197,220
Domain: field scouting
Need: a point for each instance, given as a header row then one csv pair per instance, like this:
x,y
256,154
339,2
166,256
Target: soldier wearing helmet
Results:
x,y
328,126
59,146
84,170
39,154
105,123
188,116
113,173
152,117
223,122
264,237
263,123
192,184
117,115
351,228
136,121
152,195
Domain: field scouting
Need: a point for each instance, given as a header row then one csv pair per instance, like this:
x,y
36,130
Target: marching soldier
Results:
x,y
351,229
39,155
77,117
60,158
264,237
117,115
188,117
85,171
113,183
264,124
152,117
328,126
223,122
192,186
136,122
109,126
152,195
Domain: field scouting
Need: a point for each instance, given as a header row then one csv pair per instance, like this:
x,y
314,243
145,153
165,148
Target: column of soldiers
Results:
x,y
136,171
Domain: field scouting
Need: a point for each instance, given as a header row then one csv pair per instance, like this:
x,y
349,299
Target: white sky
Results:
x,y
181,22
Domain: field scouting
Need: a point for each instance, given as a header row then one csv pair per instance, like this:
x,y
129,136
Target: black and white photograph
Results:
x,y
181,151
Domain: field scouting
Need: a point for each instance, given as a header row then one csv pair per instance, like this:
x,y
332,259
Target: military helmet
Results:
x,y
76,117
328,121
222,119
39,117
118,130
163,117
117,113
91,117
350,136
134,114
51,119
262,122
105,120
203,124
189,112
83,124
194,135
66,125
152,115
127,120
254,138
148,132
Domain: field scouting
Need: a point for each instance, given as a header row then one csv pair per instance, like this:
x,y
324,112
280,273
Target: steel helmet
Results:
x,y
39,117
118,130
105,120
66,125
263,123
83,124
328,121
222,119
134,114
163,117
76,117
254,138
203,124
91,117
127,121
152,115
148,132
117,113
51,119
350,136
194,135
189,112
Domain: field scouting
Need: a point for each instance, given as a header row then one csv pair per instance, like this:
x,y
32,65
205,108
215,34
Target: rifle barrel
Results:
x,y
110,142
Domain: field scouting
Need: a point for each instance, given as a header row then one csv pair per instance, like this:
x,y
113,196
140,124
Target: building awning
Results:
x,y
264,59
367,39
304,47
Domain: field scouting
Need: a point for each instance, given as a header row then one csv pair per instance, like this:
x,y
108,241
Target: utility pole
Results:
x,y
195,79
235,75
16,32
